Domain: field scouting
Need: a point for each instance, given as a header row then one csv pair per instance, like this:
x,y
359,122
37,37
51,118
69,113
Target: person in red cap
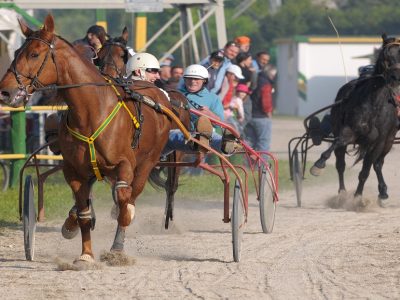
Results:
x,y
244,43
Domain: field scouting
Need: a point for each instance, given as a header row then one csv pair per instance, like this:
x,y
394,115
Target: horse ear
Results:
x,y
49,24
24,28
384,36
125,34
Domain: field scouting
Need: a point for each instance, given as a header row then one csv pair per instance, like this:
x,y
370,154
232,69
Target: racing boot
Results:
x,y
51,132
230,144
205,130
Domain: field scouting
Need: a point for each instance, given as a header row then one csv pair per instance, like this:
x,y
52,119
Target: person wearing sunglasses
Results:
x,y
143,66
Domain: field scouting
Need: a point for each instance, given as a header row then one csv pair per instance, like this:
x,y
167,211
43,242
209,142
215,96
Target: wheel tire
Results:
x,y
238,222
297,177
29,219
267,204
6,175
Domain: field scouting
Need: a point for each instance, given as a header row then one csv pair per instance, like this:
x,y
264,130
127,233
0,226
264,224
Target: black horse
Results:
x,y
366,116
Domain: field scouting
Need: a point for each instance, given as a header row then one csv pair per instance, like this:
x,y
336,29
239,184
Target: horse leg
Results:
x,y
340,166
82,212
122,194
171,187
362,176
382,187
320,164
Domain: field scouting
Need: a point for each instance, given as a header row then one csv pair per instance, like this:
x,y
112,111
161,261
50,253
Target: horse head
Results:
x,y
33,65
114,55
388,61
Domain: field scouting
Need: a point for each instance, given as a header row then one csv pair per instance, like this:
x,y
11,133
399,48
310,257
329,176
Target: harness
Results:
x,y
90,140
36,85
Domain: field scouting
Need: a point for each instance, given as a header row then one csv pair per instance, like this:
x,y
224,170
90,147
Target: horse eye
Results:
x,y
34,55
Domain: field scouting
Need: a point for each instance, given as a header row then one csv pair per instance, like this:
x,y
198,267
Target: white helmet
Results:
x,y
196,71
142,61
235,70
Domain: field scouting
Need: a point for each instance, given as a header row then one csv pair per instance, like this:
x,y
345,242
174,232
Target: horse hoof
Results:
x,y
383,196
68,234
84,258
115,211
382,203
315,171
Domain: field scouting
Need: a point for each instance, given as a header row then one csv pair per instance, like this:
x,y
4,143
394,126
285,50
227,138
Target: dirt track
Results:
x,y
315,252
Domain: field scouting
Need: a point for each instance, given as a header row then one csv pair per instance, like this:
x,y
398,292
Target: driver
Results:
x,y
143,66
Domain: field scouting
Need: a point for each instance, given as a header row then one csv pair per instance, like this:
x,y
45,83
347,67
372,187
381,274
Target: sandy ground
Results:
x,y
314,252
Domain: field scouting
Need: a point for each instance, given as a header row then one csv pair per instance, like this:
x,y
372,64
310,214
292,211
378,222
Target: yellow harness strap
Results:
x,y
90,140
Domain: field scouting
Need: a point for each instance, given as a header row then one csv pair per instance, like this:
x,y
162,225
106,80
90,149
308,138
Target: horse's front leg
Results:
x,y
362,176
81,214
122,192
341,166
320,164
382,187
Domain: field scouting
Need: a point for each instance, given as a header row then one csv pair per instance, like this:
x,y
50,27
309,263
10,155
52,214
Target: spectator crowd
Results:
x,y
243,82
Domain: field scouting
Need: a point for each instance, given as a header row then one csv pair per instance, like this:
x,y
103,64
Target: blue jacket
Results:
x,y
204,98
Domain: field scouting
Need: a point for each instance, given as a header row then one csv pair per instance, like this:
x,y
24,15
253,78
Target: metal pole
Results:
x,y
18,143
141,30
101,18
187,35
194,40
220,22
159,32
184,30
205,33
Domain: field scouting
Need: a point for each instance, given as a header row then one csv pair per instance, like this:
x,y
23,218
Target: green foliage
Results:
x,y
295,17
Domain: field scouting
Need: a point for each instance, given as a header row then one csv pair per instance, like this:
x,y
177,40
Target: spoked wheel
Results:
x,y
29,219
297,176
5,175
238,221
267,203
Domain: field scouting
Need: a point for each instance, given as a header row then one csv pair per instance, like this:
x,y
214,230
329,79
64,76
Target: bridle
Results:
x,y
35,83
108,58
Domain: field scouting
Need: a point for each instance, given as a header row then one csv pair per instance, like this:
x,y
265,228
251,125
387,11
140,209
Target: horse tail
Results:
x,y
155,179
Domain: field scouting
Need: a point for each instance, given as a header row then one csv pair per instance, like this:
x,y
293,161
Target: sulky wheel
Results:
x,y
297,176
29,219
267,203
238,221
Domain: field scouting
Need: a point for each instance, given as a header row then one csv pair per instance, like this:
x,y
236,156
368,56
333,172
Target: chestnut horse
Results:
x,y
112,59
95,137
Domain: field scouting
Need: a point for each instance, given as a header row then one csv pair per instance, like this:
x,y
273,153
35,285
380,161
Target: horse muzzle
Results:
x,y
14,98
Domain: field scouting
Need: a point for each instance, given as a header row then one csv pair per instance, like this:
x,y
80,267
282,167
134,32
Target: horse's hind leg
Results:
x,y
171,187
340,166
382,187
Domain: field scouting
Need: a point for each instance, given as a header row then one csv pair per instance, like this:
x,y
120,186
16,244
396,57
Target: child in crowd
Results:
x,y
234,113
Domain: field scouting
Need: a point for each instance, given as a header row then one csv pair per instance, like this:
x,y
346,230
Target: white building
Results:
x,y
312,69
